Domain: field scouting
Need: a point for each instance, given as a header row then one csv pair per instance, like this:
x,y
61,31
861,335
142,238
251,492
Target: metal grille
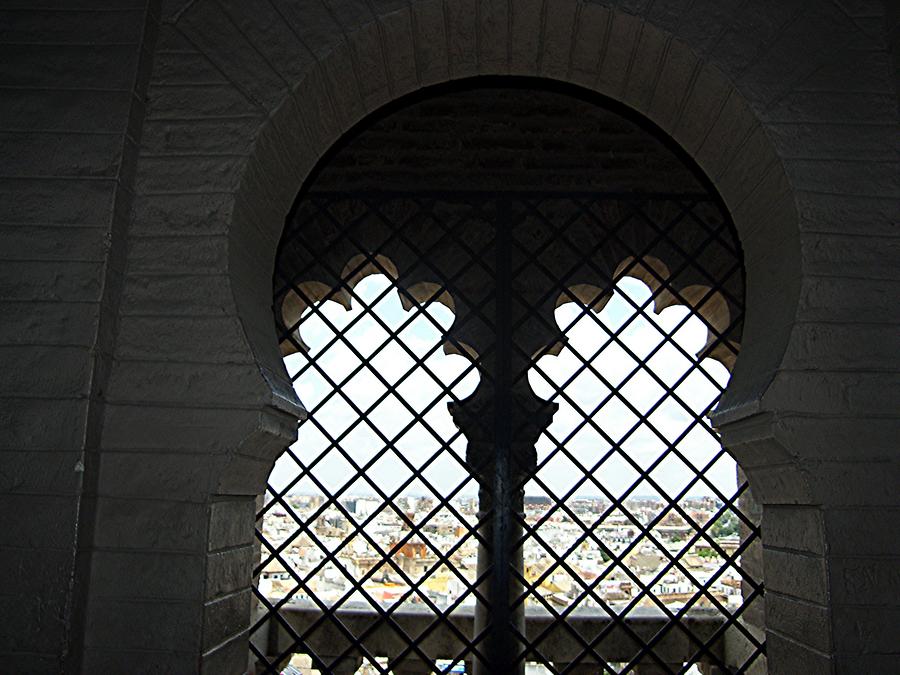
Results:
x,y
424,373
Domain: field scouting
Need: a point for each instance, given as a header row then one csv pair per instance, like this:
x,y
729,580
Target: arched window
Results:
x,y
508,460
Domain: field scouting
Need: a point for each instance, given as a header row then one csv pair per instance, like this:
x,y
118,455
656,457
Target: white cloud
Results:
x,y
588,339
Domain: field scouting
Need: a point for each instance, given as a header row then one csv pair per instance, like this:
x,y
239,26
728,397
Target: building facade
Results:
x,y
152,152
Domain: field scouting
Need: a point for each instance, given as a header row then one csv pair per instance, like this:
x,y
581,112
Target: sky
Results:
x,y
586,339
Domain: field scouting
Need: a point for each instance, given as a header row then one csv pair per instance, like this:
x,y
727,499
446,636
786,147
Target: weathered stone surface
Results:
x,y
788,107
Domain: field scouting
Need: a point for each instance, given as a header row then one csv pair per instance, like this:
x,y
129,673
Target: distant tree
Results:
x,y
726,525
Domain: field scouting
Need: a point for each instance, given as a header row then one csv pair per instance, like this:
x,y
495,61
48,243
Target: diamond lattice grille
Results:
x,y
508,457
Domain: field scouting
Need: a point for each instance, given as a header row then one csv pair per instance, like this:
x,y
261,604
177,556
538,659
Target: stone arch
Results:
x,y
664,80
288,78
689,100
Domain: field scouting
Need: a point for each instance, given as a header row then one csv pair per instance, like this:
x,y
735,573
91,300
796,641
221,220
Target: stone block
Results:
x,y
178,255
845,255
314,24
798,575
226,617
231,523
147,475
837,438
747,170
182,339
51,323
46,473
702,23
45,66
850,299
730,130
797,528
29,571
208,136
558,35
189,173
865,581
175,429
371,68
837,176
199,384
462,48
38,521
54,281
801,46
795,657
230,570
612,74
65,110
33,623
493,36
23,424
645,67
257,226
865,72
866,631
836,107
184,68
749,27
764,212
339,72
396,35
179,102
170,627
701,108
190,214
234,52
430,40
311,109
677,77
867,663
57,153
138,661
37,663
349,13
589,42
805,622
863,142
781,484
49,201
186,296
871,482
45,371
54,243
146,575
150,524
72,27
836,346
266,28
829,393
526,20
244,475
228,658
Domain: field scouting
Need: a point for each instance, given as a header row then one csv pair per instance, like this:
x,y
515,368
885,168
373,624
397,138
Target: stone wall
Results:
x,y
73,79
159,273
484,136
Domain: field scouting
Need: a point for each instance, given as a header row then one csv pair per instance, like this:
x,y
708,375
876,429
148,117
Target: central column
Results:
x,y
501,422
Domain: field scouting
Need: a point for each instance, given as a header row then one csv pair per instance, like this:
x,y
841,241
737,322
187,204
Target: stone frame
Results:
x,y
239,98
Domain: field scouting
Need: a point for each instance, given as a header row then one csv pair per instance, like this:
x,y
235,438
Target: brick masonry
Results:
x,y
151,151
